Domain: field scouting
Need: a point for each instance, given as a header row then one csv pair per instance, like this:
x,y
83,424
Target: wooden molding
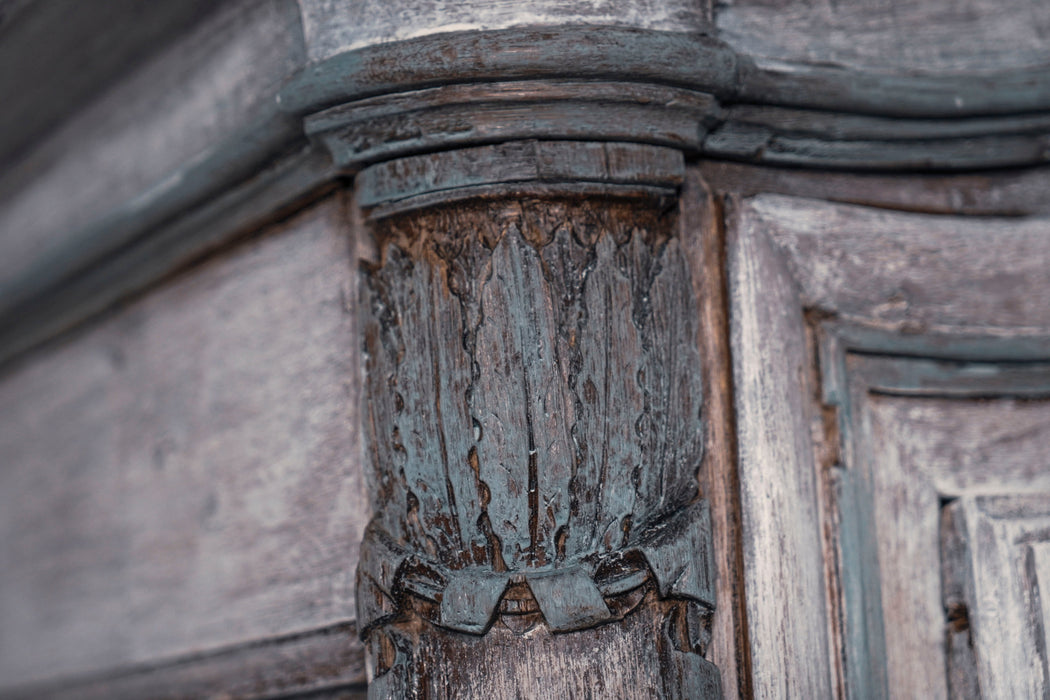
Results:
x,y
694,91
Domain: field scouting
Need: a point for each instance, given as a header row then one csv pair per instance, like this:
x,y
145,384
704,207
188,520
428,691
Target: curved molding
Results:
x,y
687,91
381,102
548,53
421,121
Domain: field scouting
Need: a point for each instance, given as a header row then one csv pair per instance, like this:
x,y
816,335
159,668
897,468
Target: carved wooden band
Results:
x,y
674,554
535,417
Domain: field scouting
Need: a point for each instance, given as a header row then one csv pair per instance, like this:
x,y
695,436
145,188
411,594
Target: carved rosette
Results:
x,y
533,383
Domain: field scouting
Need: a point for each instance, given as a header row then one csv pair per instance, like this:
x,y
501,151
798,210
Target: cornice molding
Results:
x,y
813,117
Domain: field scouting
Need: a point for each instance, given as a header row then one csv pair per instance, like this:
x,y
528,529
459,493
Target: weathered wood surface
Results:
x,y
229,105
890,443
326,662
530,53
1000,573
396,184
77,51
781,518
197,117
637,658
908,455
1002,193
822,139
914,272
894,37
702,232
336,26
186,475
419,121
535,434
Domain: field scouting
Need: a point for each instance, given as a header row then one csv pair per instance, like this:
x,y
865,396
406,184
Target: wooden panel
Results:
x,y
908,455
1004,569
913,272
186,474
811,279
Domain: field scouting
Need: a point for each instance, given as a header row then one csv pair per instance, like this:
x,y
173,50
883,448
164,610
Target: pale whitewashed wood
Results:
x,y
1002,193
915,272
335,26
1007,542
895,36
911,453
186,474
324,662
783,559
889,282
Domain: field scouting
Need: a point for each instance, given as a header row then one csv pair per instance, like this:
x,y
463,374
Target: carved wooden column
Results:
x,y
534,403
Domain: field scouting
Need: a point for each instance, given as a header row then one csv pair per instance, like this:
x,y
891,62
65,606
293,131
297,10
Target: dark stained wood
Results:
x,y
418,121
535,431
702,232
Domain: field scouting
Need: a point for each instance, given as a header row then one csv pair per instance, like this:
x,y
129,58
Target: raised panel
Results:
x,y
885,363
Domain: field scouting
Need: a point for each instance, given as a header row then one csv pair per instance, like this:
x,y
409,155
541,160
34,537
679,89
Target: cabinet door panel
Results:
x,y
890,369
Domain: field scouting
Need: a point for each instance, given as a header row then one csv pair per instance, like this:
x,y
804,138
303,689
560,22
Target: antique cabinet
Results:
x,y
524,349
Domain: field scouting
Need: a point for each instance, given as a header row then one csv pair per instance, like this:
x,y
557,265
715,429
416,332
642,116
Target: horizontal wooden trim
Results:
x,y
323,662
548,53
812,117
135,247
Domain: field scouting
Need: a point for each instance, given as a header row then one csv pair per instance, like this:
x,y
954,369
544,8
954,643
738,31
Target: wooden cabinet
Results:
x,y
915,353
599,349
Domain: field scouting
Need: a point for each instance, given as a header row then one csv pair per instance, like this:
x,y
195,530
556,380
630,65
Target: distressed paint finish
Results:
x,y
336,26
912,351
535,433
233,100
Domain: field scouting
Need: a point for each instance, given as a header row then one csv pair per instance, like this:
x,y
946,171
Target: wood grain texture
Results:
x,y
636,658
1004,582
319,663
532,161
938,37
418,121
185,475
219,135
900,283
1002,193
529,53
907,455
914,272
336,26
702,232
783,554
475,295
535,431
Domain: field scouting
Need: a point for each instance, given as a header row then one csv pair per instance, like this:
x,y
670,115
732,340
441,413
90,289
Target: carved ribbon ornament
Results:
x,y
534,404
